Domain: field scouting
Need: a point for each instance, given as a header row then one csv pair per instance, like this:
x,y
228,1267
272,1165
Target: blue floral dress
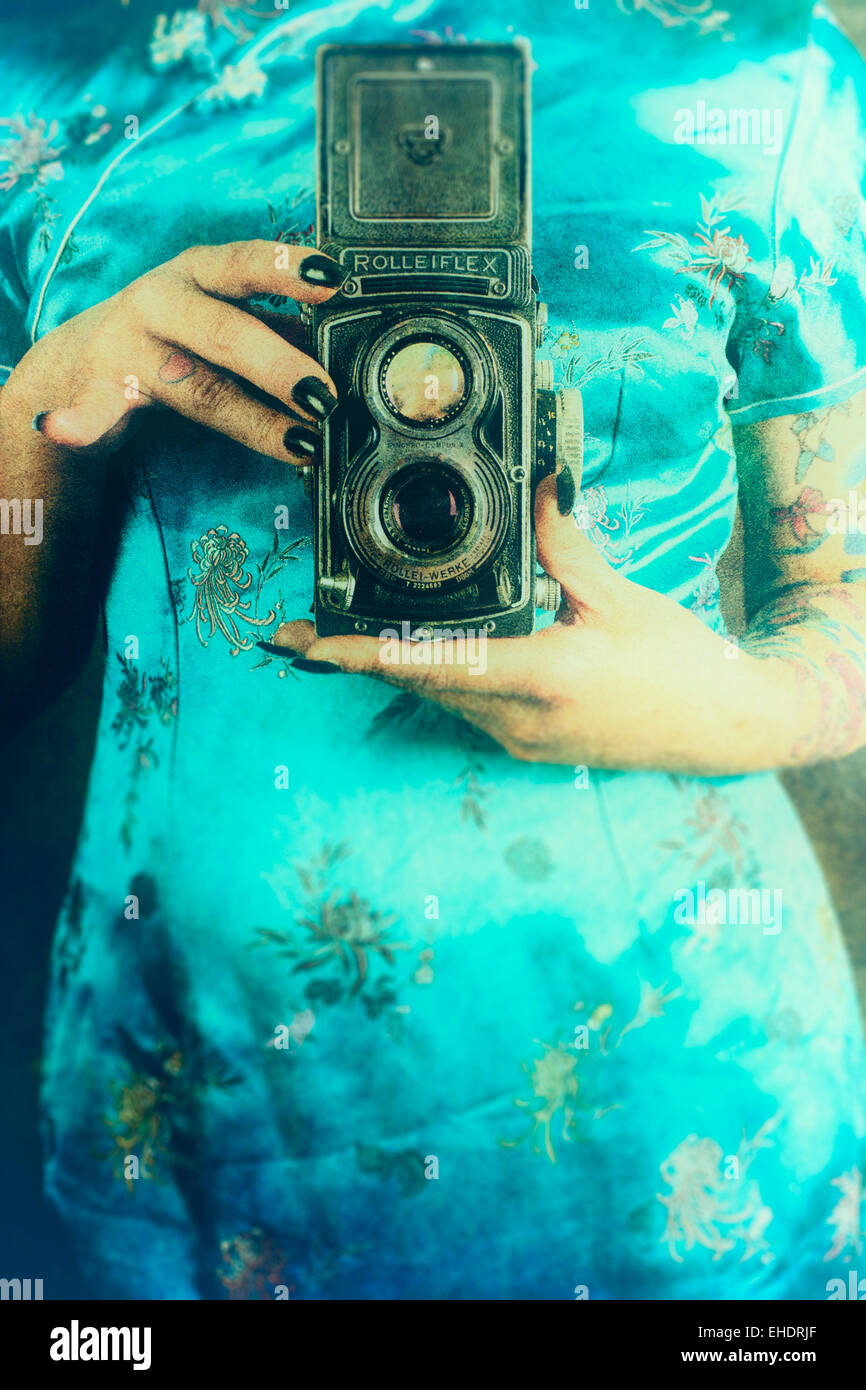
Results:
x,y
345,1002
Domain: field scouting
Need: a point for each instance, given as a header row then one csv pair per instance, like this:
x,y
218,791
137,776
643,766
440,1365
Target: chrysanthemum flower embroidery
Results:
x,y
712,251
32,152
219,583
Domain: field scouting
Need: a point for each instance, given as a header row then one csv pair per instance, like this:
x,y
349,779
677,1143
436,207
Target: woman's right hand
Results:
x,y
181,338
178,338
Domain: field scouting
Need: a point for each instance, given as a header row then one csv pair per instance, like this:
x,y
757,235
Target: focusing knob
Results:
x,y
548,594
558,428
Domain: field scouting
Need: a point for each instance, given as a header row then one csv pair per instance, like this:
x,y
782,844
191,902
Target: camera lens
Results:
x,y
426,509
424,382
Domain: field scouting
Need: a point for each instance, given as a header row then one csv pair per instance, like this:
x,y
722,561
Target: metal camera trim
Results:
x,y
445,331
361,494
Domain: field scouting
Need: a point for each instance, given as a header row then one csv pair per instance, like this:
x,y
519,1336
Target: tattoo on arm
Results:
x,y
821,633
803,489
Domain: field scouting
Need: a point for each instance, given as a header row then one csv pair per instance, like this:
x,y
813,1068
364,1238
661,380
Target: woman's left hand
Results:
x,y
624,678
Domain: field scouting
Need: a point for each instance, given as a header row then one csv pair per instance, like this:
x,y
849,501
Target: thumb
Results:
x,y
567,554
98,414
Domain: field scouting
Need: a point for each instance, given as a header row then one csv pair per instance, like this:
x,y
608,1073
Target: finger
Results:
x,y
99,412
473,666
292,639
231,338
199,392
288,326
566,553
244,269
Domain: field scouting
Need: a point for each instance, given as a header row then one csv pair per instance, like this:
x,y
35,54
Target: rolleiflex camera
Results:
x,y
423,499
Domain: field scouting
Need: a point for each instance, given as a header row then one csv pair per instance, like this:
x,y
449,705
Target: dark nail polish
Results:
x,y
316,668
566,492
302,441
321,270
37,420
287,652
313,395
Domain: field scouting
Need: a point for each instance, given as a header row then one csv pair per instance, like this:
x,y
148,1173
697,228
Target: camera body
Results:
x,y
423,497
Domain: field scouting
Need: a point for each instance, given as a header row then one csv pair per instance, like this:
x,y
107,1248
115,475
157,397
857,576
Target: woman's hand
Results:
x,y
625,677
175,338
179,339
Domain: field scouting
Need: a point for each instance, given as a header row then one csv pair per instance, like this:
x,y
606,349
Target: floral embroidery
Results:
x,y
284,220
555,1086
148,1119
139,1127
253,1266
707,1207
32,153
717,255
219,583
674,14
706,594
651,1004
187,37
141,699
554,1077
231,15
845,1217
430,723
685,316
184,36
766,339
591,515
713,830
576,369
344,939
239,82
406,1165
529,859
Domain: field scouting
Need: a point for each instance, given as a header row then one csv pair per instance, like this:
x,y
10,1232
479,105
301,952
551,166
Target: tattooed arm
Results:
x,y
628,678
803,483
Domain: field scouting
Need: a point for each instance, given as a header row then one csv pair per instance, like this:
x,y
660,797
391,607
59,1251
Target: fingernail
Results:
x,y
566,492
316,668
314,395
38,419
321,270
302,441
274,650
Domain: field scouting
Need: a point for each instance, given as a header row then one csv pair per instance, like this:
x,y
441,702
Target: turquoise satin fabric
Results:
x,y
377,1011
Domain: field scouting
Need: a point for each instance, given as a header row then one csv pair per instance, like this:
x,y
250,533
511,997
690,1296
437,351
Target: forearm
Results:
x,y
709,706
812,639
54,531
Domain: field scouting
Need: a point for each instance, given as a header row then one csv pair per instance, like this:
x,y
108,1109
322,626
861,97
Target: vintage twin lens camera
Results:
x,y
423,498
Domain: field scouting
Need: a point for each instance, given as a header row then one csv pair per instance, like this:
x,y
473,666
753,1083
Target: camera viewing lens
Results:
x,y
424,382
